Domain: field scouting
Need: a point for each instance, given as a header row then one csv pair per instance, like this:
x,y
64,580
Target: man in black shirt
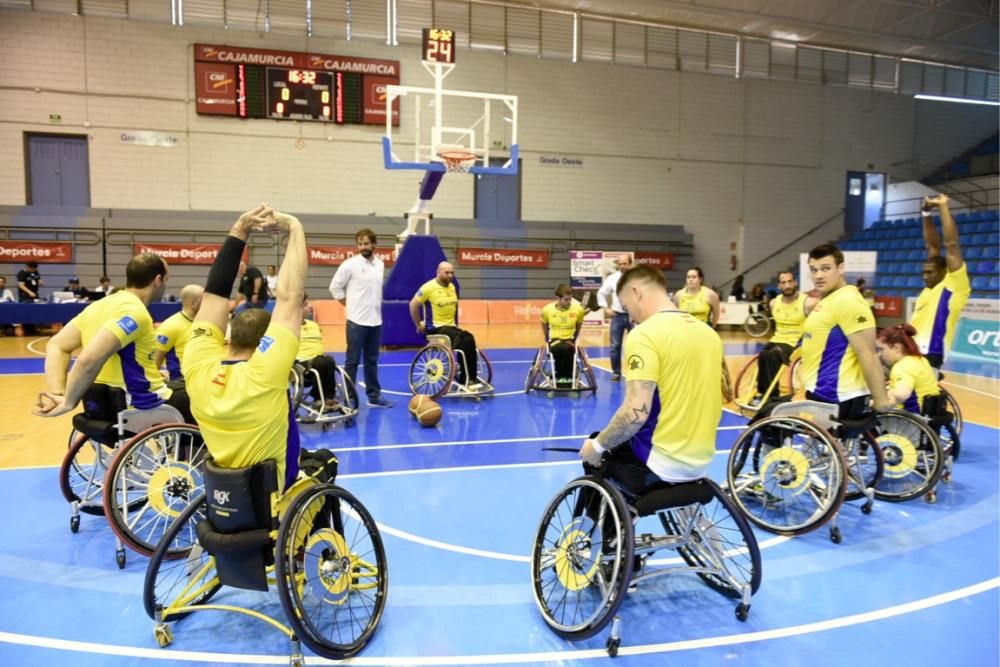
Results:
x,y
253,288
79,293
28,282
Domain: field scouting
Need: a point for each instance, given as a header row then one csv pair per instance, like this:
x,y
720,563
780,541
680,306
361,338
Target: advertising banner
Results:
x,y
503,257
43,252
335,255
184,253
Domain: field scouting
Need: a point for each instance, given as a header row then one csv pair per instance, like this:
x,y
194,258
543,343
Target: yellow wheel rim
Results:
x,y
434,369
160,495
900,455
569,556
789,466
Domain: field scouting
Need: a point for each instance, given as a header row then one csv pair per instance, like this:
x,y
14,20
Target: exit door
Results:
x,y
58,170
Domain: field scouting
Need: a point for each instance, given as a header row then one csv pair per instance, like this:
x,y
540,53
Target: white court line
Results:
x,y
31,346
520,658
977,391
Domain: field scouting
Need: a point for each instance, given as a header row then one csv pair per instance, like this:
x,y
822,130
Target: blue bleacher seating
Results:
x,y
980,283
914,282
991,252
994,283
986,267
975,252
978,239
984,227
993,238
962,217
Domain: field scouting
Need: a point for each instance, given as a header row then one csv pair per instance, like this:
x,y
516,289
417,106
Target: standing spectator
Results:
x,y
607,298
5,294
105,288
28,282
738,292
272,280
253,288
357,285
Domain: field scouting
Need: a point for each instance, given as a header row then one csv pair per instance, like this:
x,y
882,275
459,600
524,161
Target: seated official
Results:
x,y
440,299
312,356
561,323
240,394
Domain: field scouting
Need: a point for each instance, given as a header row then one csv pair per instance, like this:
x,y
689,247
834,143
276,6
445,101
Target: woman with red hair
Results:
x,y
911,378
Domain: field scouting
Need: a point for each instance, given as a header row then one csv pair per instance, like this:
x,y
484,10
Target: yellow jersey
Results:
x,y
914,371
695,304
684,358
171,337
562,323
443,301
243,407
310,340
937,311
789,319
126,316
830,367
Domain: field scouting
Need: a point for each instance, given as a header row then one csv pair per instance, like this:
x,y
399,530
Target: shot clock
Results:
x,y
439,45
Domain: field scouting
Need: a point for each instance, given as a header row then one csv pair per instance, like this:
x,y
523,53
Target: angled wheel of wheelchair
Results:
x,y
794,379
582,558
787,475
150,481
536,372
186,581
721,538
955,410
745,387
914,459
432,371
757,325
296,385
865,464
81,475
585,372
484,369
331,571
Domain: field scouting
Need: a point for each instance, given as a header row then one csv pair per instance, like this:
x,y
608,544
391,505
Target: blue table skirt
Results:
x,y
52,313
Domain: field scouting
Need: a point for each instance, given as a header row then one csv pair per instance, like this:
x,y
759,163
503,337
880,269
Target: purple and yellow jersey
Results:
x,y
789,319
443,304
696,304
562,323
243,407
830,367
914,371
310,340
132,369
171,337
937,311
684,358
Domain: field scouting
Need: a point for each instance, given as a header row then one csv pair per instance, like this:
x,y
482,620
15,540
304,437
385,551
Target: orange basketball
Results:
x,y
427,412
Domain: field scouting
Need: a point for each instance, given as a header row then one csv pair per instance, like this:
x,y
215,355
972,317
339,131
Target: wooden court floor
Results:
x,y
26,440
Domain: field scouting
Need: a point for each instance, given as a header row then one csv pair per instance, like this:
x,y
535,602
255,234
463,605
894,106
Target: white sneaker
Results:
x,y
475,386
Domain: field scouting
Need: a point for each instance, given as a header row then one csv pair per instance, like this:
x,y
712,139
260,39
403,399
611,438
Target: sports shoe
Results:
x,y
475,386
754,402
379,402
615,377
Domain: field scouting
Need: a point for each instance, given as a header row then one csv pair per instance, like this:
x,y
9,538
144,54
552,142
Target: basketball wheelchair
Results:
x,y
433,371
542,374
759,323
138,468
324,410
788,381
587,554
315,543
790,472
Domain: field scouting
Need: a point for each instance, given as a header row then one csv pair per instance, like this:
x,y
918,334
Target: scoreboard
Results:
x,y
256,83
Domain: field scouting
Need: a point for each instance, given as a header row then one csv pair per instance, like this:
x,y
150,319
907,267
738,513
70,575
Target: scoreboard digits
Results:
x,y
300,94
439,45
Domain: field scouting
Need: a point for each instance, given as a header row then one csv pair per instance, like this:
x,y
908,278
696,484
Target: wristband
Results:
x,y
926,214
596,444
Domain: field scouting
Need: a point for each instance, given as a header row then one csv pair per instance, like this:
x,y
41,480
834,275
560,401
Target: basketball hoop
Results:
x,y
458,161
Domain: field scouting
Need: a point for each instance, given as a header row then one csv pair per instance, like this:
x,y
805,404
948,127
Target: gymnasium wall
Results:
x,y
733,161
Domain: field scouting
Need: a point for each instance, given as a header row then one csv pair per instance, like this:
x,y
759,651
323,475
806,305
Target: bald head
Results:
x,y
445,273
191,299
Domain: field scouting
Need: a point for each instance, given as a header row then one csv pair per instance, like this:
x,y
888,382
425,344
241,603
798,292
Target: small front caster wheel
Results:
x,y
74,524
164,635
612,646
742,611
120,559
835,535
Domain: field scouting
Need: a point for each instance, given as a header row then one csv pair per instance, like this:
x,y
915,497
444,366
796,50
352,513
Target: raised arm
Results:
x,y
291,287
932,241
949,230
215,303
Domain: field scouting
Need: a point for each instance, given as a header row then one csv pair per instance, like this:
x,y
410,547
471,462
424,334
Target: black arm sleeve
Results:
x,y
224,268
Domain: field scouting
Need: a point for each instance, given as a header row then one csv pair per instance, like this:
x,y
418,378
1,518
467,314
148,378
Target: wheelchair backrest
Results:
x,y
103,402
934,406
239,522
823,415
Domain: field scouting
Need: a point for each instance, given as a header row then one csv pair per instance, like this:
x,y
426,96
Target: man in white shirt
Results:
x,y
607,298
6,296
358,286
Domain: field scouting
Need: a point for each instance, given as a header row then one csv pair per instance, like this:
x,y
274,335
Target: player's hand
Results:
x,y
282,222
254,218
883,405
936,202
608,312
421,327
590,455
51,405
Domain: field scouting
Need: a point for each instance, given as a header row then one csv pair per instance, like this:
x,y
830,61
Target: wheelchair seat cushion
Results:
x,y
853,427
666,495
104,432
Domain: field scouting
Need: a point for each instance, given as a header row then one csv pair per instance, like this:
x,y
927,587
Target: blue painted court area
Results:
x,y
458,506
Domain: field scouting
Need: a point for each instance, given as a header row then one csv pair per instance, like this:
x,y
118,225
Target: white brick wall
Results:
x,y
705,151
